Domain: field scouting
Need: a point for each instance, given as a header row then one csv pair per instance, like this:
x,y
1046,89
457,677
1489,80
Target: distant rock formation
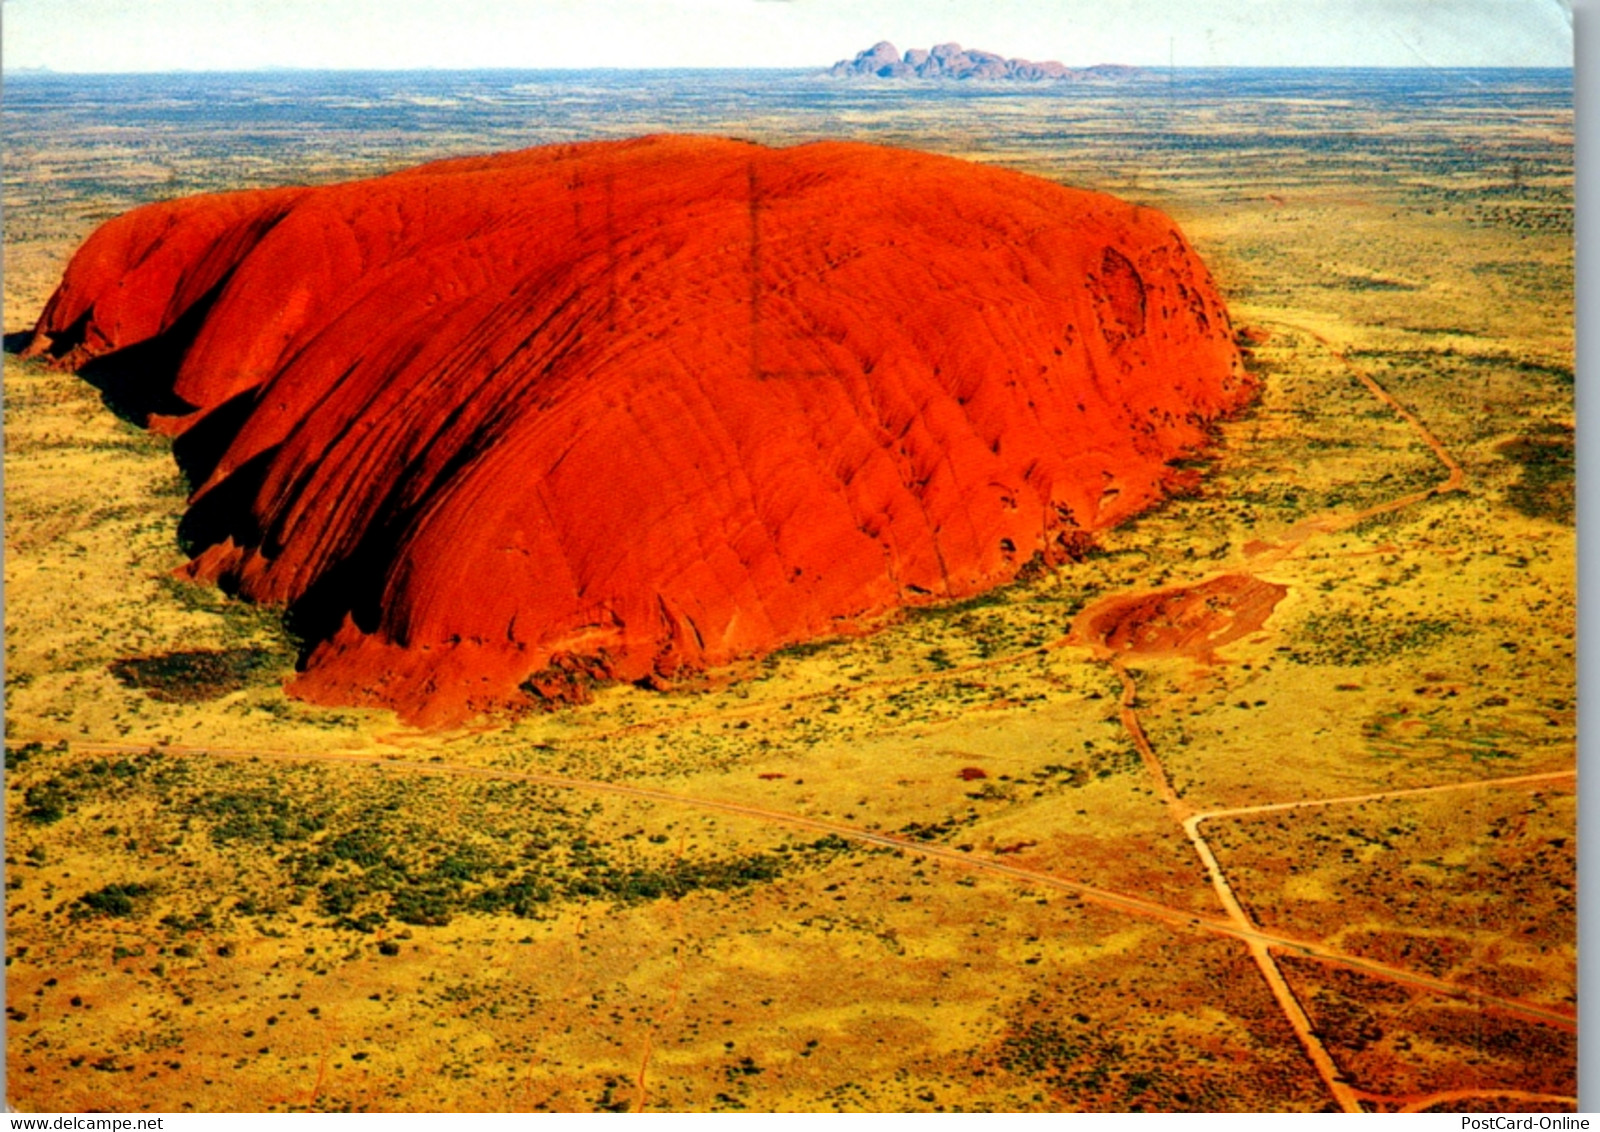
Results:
x,y
952,61
498,428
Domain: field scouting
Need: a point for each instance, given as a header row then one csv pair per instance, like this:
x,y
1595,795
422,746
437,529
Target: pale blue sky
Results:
x,y
162,35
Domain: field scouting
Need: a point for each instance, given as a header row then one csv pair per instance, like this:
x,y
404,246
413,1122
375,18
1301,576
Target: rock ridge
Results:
x,y
951,61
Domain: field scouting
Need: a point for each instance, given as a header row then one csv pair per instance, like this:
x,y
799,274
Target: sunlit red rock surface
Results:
x,y
619,409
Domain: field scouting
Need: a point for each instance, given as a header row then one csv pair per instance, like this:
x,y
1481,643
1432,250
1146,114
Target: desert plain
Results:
x,y
1266,803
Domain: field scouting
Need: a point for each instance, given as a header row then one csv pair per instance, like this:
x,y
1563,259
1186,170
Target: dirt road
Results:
x,y
1106,898
1088,629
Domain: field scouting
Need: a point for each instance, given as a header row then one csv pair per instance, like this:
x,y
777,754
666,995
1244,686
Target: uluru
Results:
x,y
495,428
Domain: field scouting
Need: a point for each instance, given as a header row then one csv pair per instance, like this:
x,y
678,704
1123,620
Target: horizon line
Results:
x,y
278,69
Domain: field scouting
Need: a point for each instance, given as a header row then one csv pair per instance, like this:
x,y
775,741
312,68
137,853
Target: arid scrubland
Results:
x,y
951,865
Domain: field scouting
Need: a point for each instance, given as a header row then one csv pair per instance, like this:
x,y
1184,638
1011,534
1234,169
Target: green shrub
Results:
x,y
119,900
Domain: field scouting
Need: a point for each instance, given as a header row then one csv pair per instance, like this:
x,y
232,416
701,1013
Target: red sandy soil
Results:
x,y
617,410
1191,621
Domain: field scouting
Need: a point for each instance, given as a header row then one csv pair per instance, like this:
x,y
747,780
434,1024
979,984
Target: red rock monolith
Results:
x,y
615,410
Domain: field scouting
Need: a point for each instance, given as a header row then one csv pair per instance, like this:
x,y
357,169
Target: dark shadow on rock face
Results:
x,y
353,586
60,342
136,381
224,512
201,447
